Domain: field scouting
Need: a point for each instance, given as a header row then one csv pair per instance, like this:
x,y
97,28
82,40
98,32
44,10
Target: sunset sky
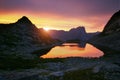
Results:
x,y
60,14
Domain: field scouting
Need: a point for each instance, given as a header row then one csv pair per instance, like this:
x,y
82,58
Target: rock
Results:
x,y
56,70
2,78
97,68
22,38
28,74
55,66
109,40
57,74
113,24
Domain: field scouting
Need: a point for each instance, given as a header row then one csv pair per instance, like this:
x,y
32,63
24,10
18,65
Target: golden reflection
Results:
x,y
73,51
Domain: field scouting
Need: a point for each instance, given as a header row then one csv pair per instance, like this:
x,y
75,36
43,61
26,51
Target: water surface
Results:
x,y
73,50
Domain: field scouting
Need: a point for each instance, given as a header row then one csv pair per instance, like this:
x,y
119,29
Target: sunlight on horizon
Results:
x,y
73,13
53,23
46,28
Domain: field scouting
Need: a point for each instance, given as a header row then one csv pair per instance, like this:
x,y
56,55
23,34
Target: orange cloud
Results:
x,y
53,21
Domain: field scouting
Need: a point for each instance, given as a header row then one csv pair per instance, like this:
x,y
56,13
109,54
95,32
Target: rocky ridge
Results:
x,y
110,36
78,33
22,38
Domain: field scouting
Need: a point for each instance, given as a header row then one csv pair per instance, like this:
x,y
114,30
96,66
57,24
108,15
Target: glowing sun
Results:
x,y
46,29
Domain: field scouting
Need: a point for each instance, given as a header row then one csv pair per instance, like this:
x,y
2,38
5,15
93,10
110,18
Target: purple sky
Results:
x,y
64,8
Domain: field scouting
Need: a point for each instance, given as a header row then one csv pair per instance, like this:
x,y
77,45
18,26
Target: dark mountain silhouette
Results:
x,y
22,38
110,36
74,34
113,24
25,20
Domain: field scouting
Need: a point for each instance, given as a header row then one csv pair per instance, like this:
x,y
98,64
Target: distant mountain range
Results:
x,y
22,38
78,33
110,36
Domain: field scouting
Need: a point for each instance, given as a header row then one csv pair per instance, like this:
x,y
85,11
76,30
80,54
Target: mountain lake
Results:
x,y
74,50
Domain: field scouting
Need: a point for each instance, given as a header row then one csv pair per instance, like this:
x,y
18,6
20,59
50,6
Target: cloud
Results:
x,y
71,8
91,13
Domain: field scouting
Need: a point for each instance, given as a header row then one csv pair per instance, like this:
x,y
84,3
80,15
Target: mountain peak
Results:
x,y
117,13
24,19
113,24
81,27
78,29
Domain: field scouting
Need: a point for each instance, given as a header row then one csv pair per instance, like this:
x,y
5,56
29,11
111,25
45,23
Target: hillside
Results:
x,y
110,36
22,38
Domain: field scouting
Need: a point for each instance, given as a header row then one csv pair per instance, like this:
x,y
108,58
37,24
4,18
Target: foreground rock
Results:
x,y
70,68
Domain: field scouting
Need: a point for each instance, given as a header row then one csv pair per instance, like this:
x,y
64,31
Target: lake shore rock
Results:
x,y
57,70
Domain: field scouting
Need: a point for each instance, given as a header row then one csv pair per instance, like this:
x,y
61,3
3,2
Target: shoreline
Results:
x,y
59,68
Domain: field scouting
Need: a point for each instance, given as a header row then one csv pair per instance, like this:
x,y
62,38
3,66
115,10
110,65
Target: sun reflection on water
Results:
x,y
73,50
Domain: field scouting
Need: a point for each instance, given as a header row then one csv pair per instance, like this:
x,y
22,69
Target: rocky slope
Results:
x,y
113,24
110,36
22,38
